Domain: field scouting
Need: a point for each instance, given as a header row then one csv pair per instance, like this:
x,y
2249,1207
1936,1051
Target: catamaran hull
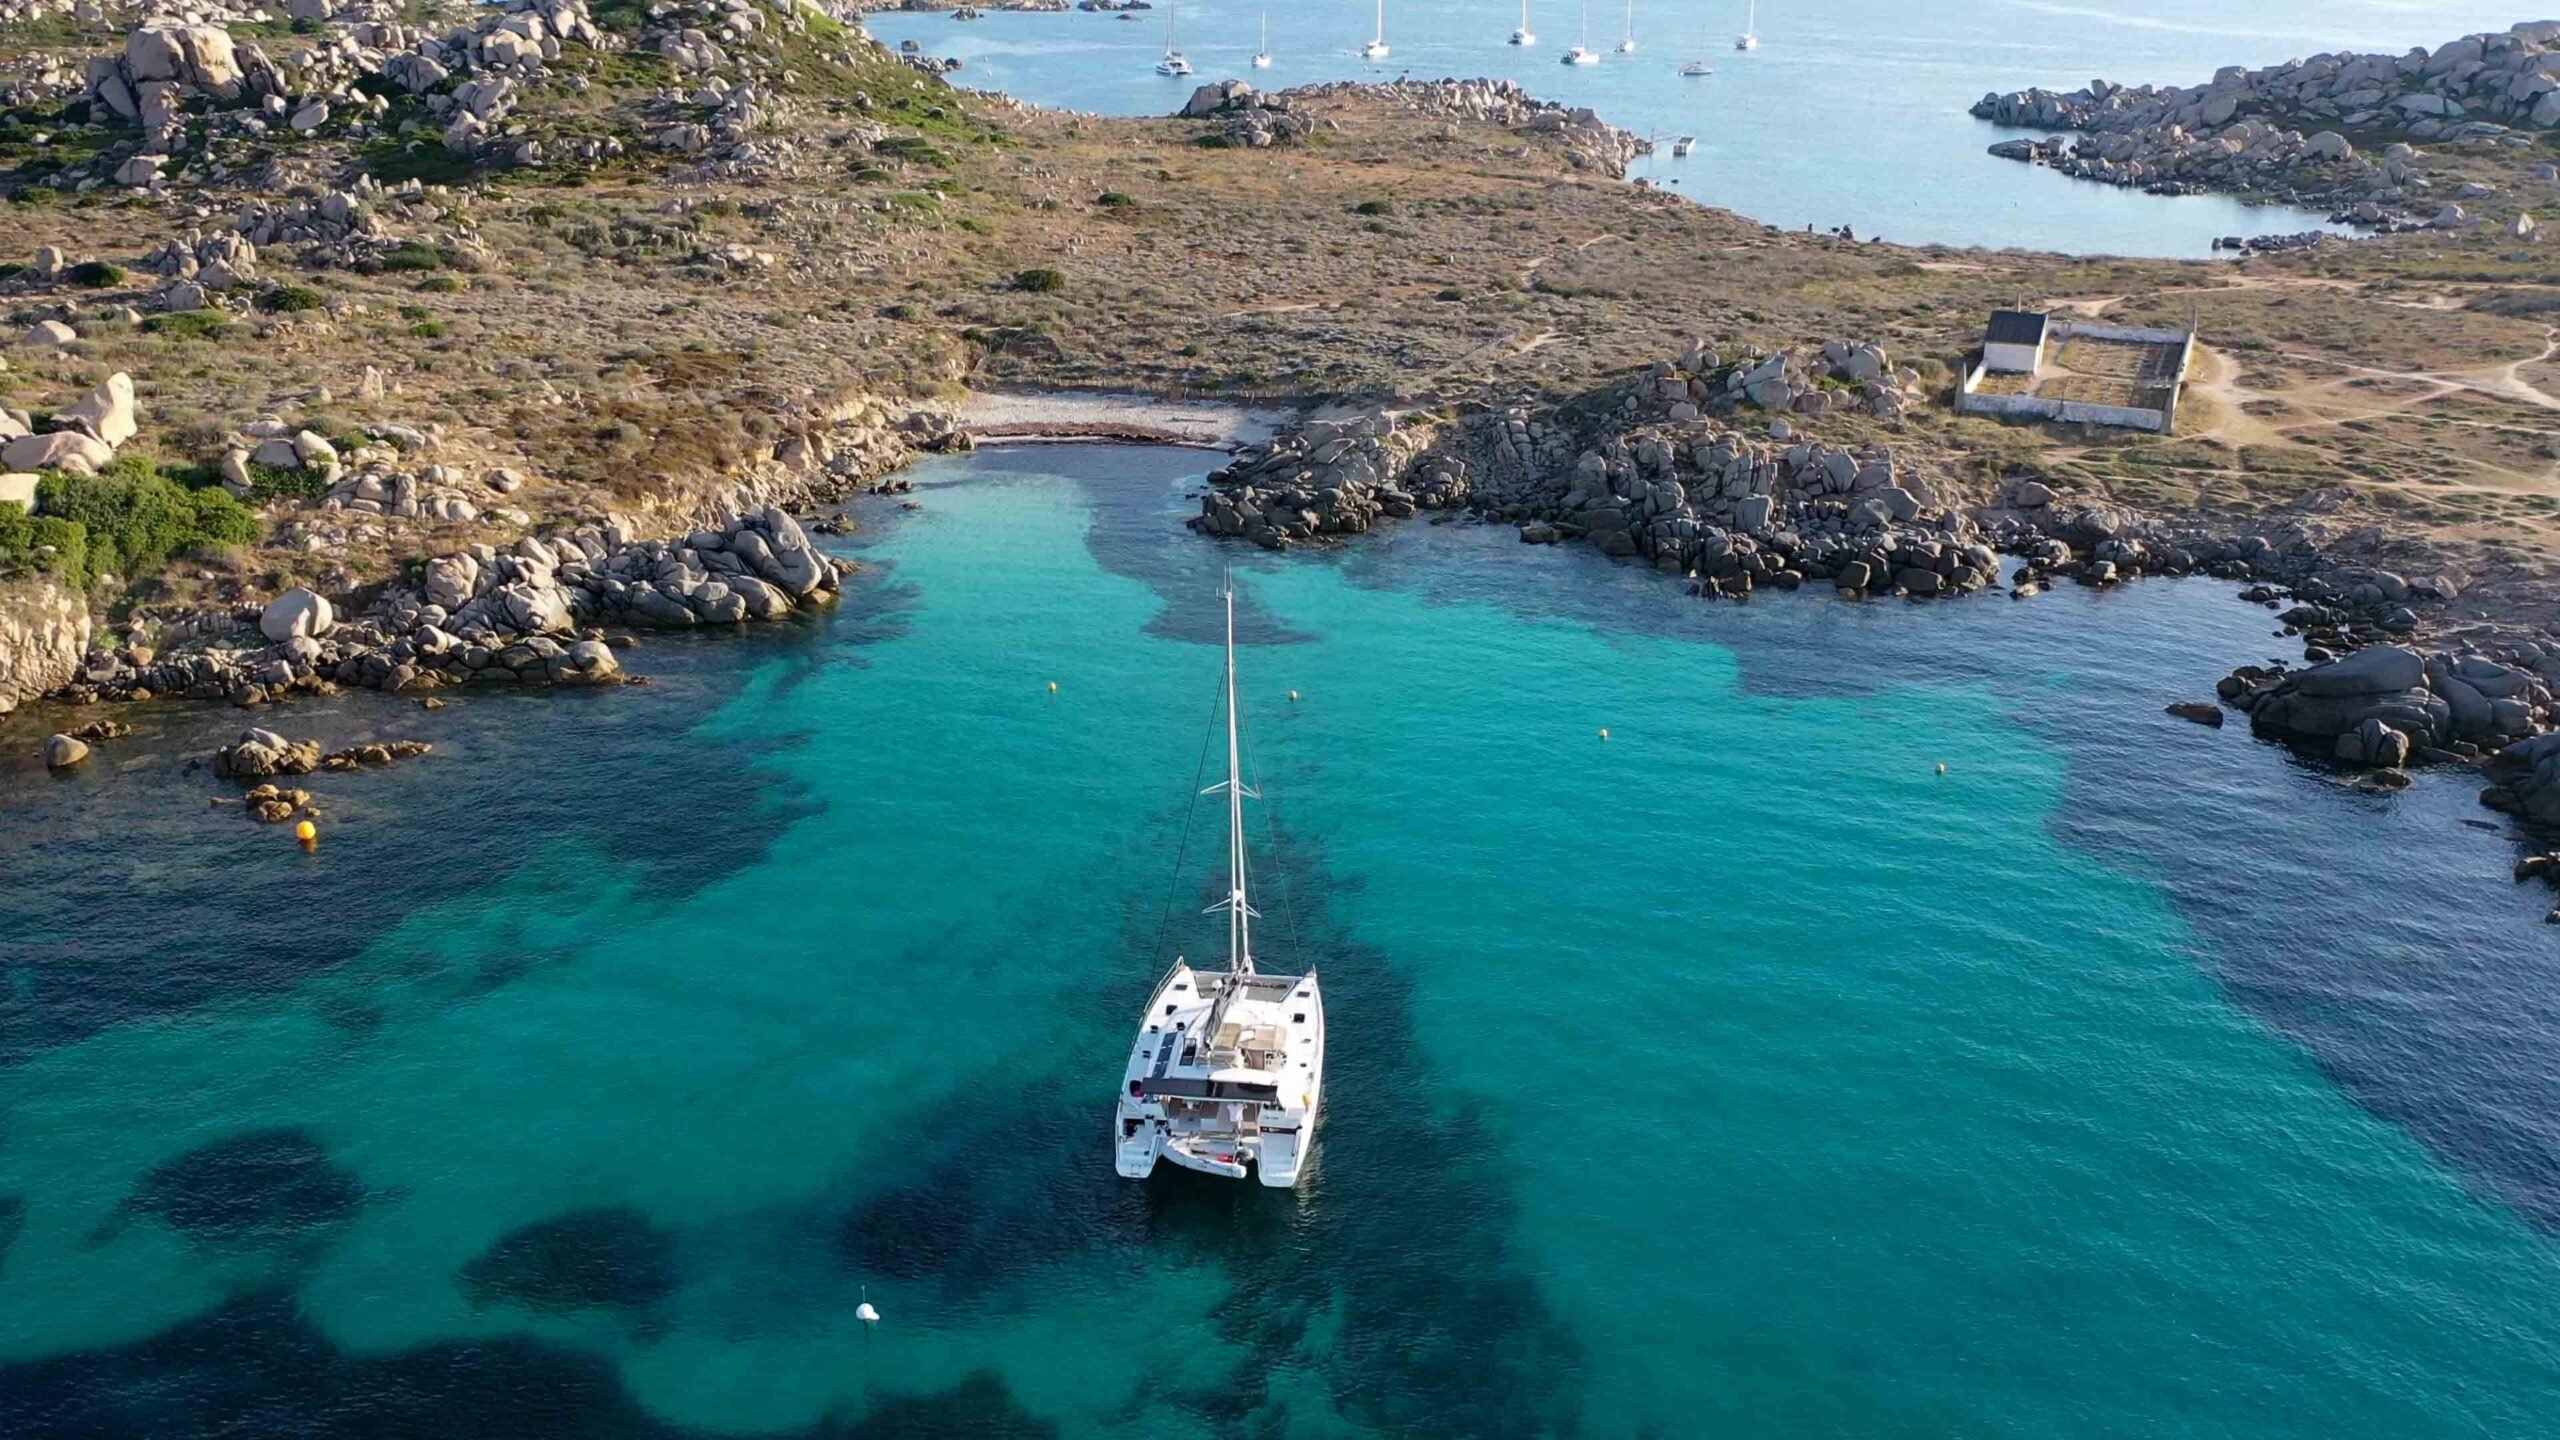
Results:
x,y
1273,1147
1277,1163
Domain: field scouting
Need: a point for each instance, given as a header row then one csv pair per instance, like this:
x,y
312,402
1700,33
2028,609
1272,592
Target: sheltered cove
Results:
x,y
1731,465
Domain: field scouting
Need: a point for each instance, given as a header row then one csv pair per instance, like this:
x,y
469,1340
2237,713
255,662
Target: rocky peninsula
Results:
x,y
2339,130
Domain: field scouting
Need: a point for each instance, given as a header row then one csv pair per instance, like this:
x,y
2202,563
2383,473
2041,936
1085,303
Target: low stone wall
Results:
x,y
1969,401
2038,407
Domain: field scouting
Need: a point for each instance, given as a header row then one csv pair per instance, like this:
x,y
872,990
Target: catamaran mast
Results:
x,y
1239,914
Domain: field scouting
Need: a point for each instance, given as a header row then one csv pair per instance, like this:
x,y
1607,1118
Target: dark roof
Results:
x,y
2015,327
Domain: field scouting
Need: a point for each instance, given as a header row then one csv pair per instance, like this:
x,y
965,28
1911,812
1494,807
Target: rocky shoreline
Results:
x,y
1694,467
410,550
549,609
2286,132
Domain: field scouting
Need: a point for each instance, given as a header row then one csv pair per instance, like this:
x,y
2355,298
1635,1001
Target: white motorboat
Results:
x,y
1226,1076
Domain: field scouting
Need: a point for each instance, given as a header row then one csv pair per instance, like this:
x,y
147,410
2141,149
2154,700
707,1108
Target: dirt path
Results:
x,y
2218,382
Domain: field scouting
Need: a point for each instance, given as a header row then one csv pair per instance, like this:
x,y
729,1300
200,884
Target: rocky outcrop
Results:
x,y
1245,119
2382,684
375,753
44,629
166,67
1588,142
264,754
2525,779
2279,130
80,437
1327,477
171,71
2385,705
534,613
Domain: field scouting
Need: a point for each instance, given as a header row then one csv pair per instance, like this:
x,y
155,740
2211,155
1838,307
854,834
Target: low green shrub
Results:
x,y
46,544
189,324
96,274
411,255
284,299
913,149
1040,282
132,520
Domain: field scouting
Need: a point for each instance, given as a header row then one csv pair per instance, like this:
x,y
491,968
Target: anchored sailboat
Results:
x,y
1524,35
1627,46
1695,68
1582,54
1172,63
1262,52
1227,1073
1749,39
1376,49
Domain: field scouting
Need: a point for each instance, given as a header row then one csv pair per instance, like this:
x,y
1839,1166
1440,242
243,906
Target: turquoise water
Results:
x,y
1738,1073
1851,112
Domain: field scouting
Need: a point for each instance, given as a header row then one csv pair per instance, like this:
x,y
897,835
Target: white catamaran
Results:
x,y
1228,1070
1173,62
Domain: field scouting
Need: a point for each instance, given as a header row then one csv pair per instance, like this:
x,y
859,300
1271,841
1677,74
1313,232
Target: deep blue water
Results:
x,y
1739,1072
1851,112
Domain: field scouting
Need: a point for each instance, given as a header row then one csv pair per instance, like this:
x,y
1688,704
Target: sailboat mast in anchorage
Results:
x,y
1240,914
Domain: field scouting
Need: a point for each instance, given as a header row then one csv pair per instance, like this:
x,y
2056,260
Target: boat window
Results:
x,y
1298,1019
1168,1009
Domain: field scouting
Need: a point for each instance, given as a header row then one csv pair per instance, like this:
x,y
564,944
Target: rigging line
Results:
x,y
1279,877
1174,882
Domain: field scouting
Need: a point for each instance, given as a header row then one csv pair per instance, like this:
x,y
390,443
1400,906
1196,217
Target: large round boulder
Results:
x,y
298,611
106,412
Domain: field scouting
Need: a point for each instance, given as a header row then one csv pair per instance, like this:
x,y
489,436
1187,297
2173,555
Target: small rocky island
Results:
x,y
2291,132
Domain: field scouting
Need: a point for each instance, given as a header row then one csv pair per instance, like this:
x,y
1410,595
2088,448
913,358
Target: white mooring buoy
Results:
x,y
863,1312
